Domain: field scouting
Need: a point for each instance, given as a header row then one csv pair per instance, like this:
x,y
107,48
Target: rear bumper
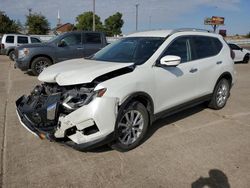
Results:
x,y
3,51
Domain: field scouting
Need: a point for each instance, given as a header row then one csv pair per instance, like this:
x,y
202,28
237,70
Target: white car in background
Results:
x,y
241,54
115,95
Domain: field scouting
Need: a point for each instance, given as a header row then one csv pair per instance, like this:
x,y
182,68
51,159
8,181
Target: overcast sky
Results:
x,y
153,14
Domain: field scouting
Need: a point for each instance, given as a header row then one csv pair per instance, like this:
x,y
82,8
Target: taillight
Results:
x,y
1,46
232,54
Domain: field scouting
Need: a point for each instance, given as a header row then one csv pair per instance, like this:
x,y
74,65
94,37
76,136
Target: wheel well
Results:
x,y
143,98
226,76
41,55
10,50
247,55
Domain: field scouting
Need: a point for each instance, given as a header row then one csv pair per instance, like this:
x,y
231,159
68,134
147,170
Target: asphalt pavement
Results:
x,y
194,148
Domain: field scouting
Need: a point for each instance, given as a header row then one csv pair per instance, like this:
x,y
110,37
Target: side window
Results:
x,y
73,39
93,38
234,47
35,40
10,39
22,40
217,45
180,47
203,47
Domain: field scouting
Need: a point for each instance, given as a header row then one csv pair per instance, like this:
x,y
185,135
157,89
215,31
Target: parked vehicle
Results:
x,y
116,95
241,54
66,46
10,41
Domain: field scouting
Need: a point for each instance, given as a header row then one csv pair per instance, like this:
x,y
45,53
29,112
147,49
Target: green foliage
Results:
x,y
7,25
113,24
85,22
248,35
37,24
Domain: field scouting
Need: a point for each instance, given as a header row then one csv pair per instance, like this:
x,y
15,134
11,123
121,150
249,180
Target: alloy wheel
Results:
x,y
222,95
130,127
40,65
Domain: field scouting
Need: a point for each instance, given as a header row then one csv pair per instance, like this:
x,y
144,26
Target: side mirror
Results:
x,y
170,60
62,44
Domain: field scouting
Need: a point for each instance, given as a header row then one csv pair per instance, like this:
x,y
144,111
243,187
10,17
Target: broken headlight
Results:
x,y
75,99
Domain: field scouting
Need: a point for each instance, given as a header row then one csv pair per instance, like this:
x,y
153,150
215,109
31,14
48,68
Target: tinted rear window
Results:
x,y
10,39
206,46
93,38
22,40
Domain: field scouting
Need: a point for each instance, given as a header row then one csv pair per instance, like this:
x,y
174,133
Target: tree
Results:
x,y
37,24
85,22
7,25
248,35
113,24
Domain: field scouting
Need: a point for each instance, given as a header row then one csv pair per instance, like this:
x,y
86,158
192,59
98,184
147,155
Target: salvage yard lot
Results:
x,y
178,151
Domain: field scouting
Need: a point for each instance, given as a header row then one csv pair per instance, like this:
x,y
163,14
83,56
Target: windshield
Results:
x,y
131,49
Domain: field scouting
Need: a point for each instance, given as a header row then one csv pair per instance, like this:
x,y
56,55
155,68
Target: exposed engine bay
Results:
x,y
49,101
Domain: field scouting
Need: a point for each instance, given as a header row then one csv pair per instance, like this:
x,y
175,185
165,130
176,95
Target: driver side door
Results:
x,y
176,85
70,47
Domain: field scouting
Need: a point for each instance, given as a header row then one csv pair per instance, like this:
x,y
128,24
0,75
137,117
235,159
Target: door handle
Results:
x,y
219,62
79,48
193,70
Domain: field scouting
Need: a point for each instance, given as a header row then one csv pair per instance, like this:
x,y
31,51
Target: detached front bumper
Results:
x,y
83,129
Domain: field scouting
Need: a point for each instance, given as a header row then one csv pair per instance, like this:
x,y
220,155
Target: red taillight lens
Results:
x,y
232,54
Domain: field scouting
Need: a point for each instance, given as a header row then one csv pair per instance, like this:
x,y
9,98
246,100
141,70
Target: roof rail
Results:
x,y
191,29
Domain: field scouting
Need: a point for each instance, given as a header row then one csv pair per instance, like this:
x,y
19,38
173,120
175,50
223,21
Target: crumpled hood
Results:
x,y
78,71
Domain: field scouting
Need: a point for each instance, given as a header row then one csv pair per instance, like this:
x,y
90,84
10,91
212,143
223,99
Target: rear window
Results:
x,y
206,46
22,40
93,38
10,39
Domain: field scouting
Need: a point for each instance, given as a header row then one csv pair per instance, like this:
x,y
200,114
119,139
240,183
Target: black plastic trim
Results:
x,y
91,145
181,107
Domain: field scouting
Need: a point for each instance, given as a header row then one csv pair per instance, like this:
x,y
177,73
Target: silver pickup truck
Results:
x,y
71,45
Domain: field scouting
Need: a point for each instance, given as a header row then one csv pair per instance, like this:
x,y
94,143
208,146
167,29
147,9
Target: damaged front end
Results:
x,y
47,111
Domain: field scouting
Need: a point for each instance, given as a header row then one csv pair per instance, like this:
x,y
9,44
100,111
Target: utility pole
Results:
x,y
93,15
136,17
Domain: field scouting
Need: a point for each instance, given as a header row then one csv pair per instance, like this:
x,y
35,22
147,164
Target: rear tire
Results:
x,y
12,55
131,127
220,94
38,65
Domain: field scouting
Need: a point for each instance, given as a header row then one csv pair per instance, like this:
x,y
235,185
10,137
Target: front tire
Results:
x,y
131,127
220,94
38,65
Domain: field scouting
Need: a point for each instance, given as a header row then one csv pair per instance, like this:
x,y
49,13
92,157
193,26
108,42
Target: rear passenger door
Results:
x,y
92,43
22,40
208,62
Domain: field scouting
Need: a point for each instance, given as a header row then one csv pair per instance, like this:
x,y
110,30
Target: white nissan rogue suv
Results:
x,y
115,95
